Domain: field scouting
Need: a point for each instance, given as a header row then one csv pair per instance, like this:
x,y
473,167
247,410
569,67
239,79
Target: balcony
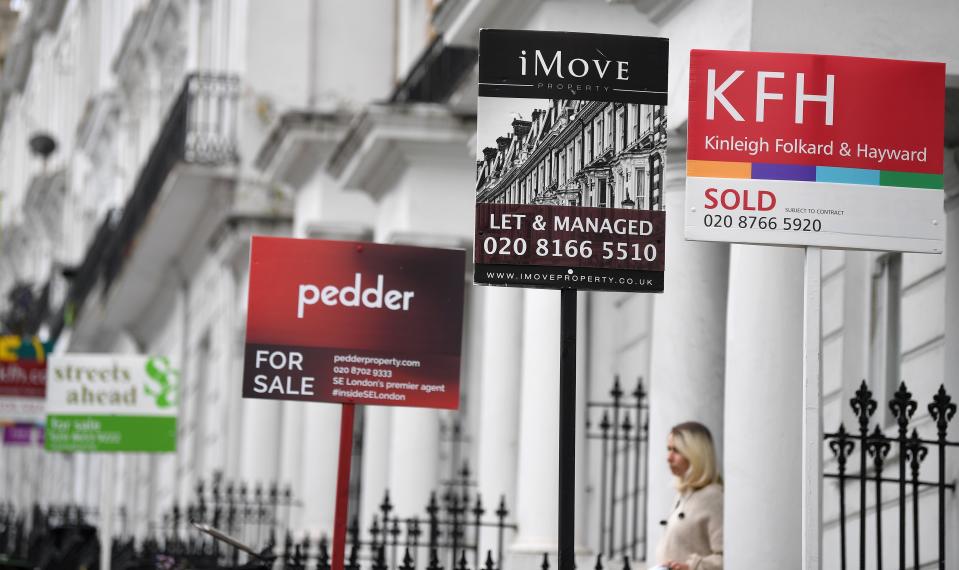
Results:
x,y
199,129
461,20
188,190
437,73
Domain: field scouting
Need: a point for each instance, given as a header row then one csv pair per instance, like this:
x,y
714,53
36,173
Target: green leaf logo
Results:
x,y
158,369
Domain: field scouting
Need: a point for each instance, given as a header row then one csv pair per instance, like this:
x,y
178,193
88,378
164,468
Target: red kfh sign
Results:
x,y
816,150
353,322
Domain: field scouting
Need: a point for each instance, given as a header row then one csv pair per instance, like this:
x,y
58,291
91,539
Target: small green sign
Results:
x,y
105,402
110,433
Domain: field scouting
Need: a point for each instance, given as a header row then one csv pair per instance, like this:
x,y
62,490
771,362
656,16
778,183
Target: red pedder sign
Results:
x,y
353,322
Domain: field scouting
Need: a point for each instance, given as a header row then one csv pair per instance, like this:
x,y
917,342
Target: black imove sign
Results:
x,y
595,67
571,150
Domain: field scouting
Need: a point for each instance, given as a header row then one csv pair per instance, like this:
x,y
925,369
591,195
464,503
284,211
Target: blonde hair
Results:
x,y
694,442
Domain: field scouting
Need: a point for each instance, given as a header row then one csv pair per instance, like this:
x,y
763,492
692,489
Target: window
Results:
x,y
588,144
608,133
603,198
599,135
620,129
639,187
633,111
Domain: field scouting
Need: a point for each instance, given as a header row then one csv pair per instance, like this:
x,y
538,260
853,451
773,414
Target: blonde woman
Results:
x,y
693,539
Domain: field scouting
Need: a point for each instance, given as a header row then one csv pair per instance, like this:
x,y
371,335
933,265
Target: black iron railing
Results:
x,y
873,471
622,434
47,538
445,535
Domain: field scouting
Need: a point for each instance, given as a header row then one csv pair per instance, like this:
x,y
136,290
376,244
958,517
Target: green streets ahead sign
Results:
x,y
105,402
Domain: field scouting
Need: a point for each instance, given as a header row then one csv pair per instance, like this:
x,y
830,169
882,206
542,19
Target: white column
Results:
x,y
237,284
501,351
107,526
291,443
950,380
537,483
376,461
321,429
581,530
688,344
414,454
856,308
5,473
763,420
260,459
78,479
25,472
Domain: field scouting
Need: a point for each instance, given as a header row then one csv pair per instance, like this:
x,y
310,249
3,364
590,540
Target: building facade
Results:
x,y
182,127
579,153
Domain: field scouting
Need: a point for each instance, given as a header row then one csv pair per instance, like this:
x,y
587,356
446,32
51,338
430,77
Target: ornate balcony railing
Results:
x,y
436,74
200,128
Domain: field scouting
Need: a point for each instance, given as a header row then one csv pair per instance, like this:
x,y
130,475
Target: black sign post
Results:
x,y
569,192
567,428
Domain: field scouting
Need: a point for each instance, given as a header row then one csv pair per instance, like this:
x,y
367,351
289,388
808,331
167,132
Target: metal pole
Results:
x,y
812,412
343,486
567,428
106,510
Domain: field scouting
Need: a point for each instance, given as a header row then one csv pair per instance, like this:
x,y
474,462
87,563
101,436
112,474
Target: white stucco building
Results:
x,y
185,126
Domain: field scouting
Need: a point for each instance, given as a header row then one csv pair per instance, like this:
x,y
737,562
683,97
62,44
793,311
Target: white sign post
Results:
x,y
812,428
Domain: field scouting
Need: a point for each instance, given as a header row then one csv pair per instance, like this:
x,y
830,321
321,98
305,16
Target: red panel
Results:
x,y
879,103
303,299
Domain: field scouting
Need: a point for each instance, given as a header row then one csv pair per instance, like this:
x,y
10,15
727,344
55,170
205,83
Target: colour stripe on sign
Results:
x,y
784,172
911,180
718,169
847,175
803,173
